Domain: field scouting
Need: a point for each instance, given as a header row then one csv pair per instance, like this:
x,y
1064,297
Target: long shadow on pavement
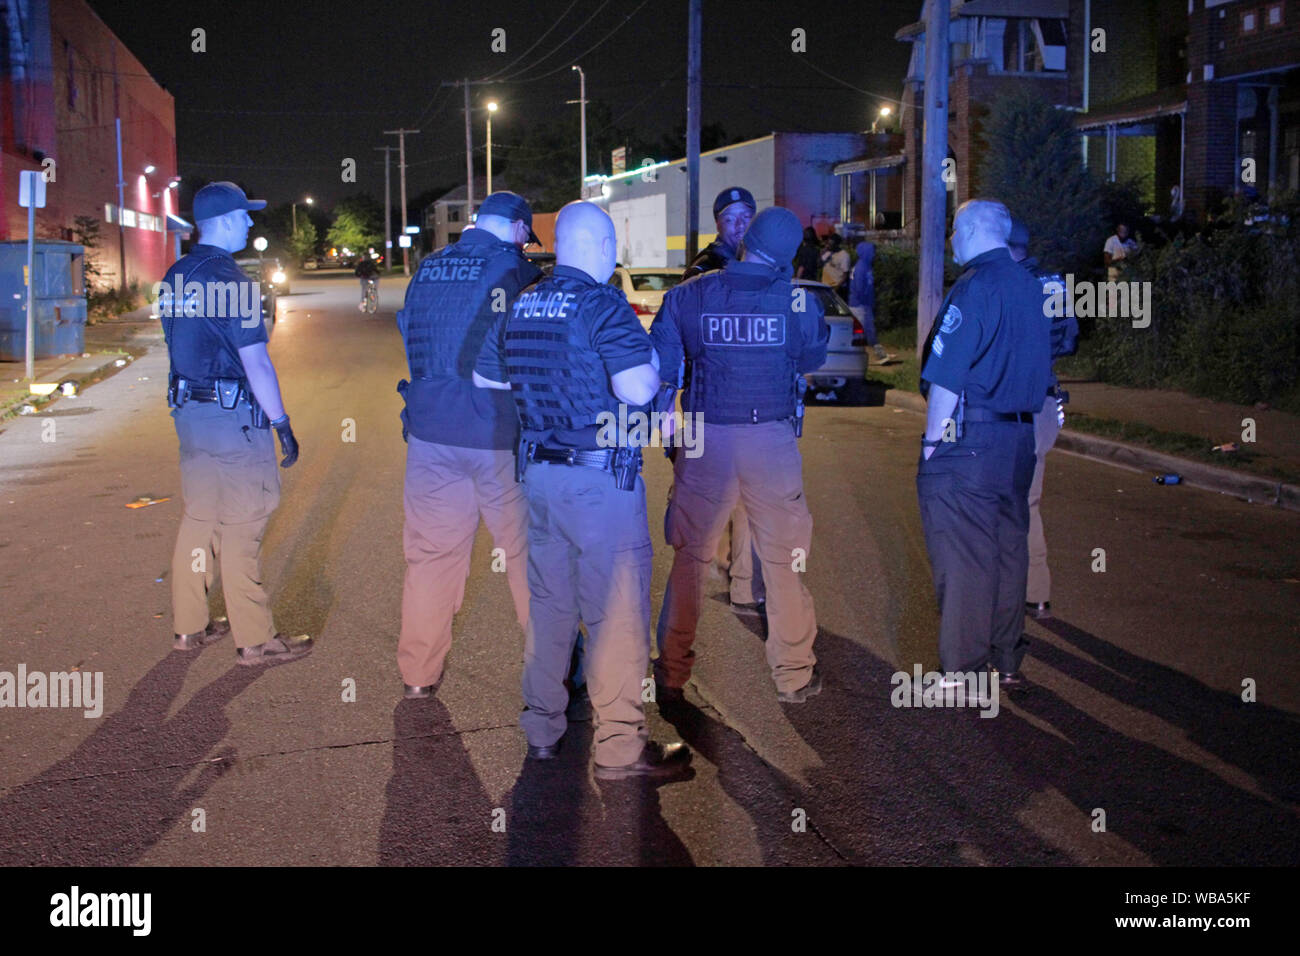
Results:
x,y
120,791
437,811
1174,810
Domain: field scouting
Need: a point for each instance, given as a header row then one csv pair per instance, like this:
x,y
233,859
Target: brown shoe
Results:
x,y
657,762
217,628
277,650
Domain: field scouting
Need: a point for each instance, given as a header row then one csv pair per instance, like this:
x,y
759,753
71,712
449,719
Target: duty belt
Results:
x,y
988,415
589,458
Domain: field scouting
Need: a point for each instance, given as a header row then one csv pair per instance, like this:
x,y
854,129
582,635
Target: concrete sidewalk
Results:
x,y
109,345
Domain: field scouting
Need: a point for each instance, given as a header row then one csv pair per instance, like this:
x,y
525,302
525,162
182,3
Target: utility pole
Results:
x,y
582,123
388,209
693,130
469,145
121,177
401,170
934,151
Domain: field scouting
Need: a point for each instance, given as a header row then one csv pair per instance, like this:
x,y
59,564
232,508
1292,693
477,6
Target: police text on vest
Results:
x,y
719,329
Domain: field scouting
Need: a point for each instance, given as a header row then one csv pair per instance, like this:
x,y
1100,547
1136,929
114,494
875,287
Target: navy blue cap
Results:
x,y
510,206
217,199
733,194
776,233
1019,234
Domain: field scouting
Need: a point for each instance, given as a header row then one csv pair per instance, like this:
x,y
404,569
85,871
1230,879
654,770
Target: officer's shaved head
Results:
x,y
228,231
978,226
585,239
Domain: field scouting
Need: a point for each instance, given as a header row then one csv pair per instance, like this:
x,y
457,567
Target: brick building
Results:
x,y
1173,94
65,81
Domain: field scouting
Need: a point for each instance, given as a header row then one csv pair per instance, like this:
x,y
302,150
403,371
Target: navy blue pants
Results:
x,y
974,497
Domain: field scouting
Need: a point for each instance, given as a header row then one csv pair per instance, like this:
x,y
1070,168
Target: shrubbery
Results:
x,y
1224,320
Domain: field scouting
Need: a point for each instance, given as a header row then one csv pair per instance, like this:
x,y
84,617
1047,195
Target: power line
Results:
x,y
831,76
596,44
561,44
535,43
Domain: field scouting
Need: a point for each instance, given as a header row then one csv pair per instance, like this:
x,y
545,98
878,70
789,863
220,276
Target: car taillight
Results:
x,y
857,327
640,309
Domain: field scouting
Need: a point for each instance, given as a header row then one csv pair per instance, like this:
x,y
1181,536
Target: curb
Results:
x,y
1252,488
88,372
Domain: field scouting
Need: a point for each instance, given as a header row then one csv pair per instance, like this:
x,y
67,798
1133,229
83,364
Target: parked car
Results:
x,y
276,274
845,370
645,288
311,263
261,272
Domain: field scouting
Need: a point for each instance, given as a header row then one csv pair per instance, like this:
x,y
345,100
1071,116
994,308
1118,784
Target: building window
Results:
x,y
110,213
128,217
453,215
1273,14
1249,21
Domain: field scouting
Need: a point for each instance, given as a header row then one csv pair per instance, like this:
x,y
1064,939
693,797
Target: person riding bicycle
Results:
x,y
367,272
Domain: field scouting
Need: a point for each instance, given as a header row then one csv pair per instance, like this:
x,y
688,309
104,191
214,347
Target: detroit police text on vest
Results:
x,y
451,269
758,330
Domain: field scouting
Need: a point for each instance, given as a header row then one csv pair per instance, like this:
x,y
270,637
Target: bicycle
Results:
x,y
371,301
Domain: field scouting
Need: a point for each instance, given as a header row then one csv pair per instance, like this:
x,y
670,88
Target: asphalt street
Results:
x,y
1135,717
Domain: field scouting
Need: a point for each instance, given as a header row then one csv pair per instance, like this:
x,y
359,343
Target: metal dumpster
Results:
x,y
60,299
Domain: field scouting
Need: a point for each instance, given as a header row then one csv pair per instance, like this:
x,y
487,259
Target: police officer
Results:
x,y
573,351
746,333
733,211
987,368
1047,422
225,398
460,439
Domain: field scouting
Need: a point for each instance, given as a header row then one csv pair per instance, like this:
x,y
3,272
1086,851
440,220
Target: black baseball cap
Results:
x,y
217,199
733,194
511,206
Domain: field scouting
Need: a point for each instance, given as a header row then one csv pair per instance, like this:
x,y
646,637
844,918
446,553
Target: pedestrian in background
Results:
x,y
460,462
807,260
1118,248
746,339
572,351
985,372
862,298
835,264
225,399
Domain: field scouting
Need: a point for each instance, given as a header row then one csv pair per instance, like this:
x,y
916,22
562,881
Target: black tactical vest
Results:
x,y
742,346
558,379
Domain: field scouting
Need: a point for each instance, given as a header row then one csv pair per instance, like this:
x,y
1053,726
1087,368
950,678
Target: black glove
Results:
x,y
288,444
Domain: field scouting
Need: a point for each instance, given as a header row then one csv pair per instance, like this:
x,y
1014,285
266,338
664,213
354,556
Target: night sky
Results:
x,y
285,91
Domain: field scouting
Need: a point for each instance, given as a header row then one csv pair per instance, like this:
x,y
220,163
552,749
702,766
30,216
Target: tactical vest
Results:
x,y
448,307
742,347
558,379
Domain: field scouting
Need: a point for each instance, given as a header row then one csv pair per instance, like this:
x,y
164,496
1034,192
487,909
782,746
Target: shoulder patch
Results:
x,y
937,346
951,319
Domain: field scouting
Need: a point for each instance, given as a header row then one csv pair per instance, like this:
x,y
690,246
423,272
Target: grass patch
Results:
x,y
1182,444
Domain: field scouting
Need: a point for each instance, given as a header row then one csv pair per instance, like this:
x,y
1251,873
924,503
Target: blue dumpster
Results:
x,y
60,300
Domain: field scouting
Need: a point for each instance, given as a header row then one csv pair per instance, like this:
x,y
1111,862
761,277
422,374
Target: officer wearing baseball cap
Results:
x,y
460,439
746,334
573,351
985,370
225,399
733,211
1047,421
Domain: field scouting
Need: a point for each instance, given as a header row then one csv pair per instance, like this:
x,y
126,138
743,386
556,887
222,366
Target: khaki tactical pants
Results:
x,y
589,560
1046,428
736,556
447,489
759,466
231,484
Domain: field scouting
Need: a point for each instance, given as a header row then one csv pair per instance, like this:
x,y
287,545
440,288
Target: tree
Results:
x,y
358,223
1032,162
85,231
303,242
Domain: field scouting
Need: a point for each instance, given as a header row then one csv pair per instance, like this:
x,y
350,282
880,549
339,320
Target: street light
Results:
x,y
582,122
491,108
884,113
149,168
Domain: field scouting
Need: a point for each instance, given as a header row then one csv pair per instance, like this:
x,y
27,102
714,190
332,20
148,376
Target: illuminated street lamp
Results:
x,y
308,201
885,113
